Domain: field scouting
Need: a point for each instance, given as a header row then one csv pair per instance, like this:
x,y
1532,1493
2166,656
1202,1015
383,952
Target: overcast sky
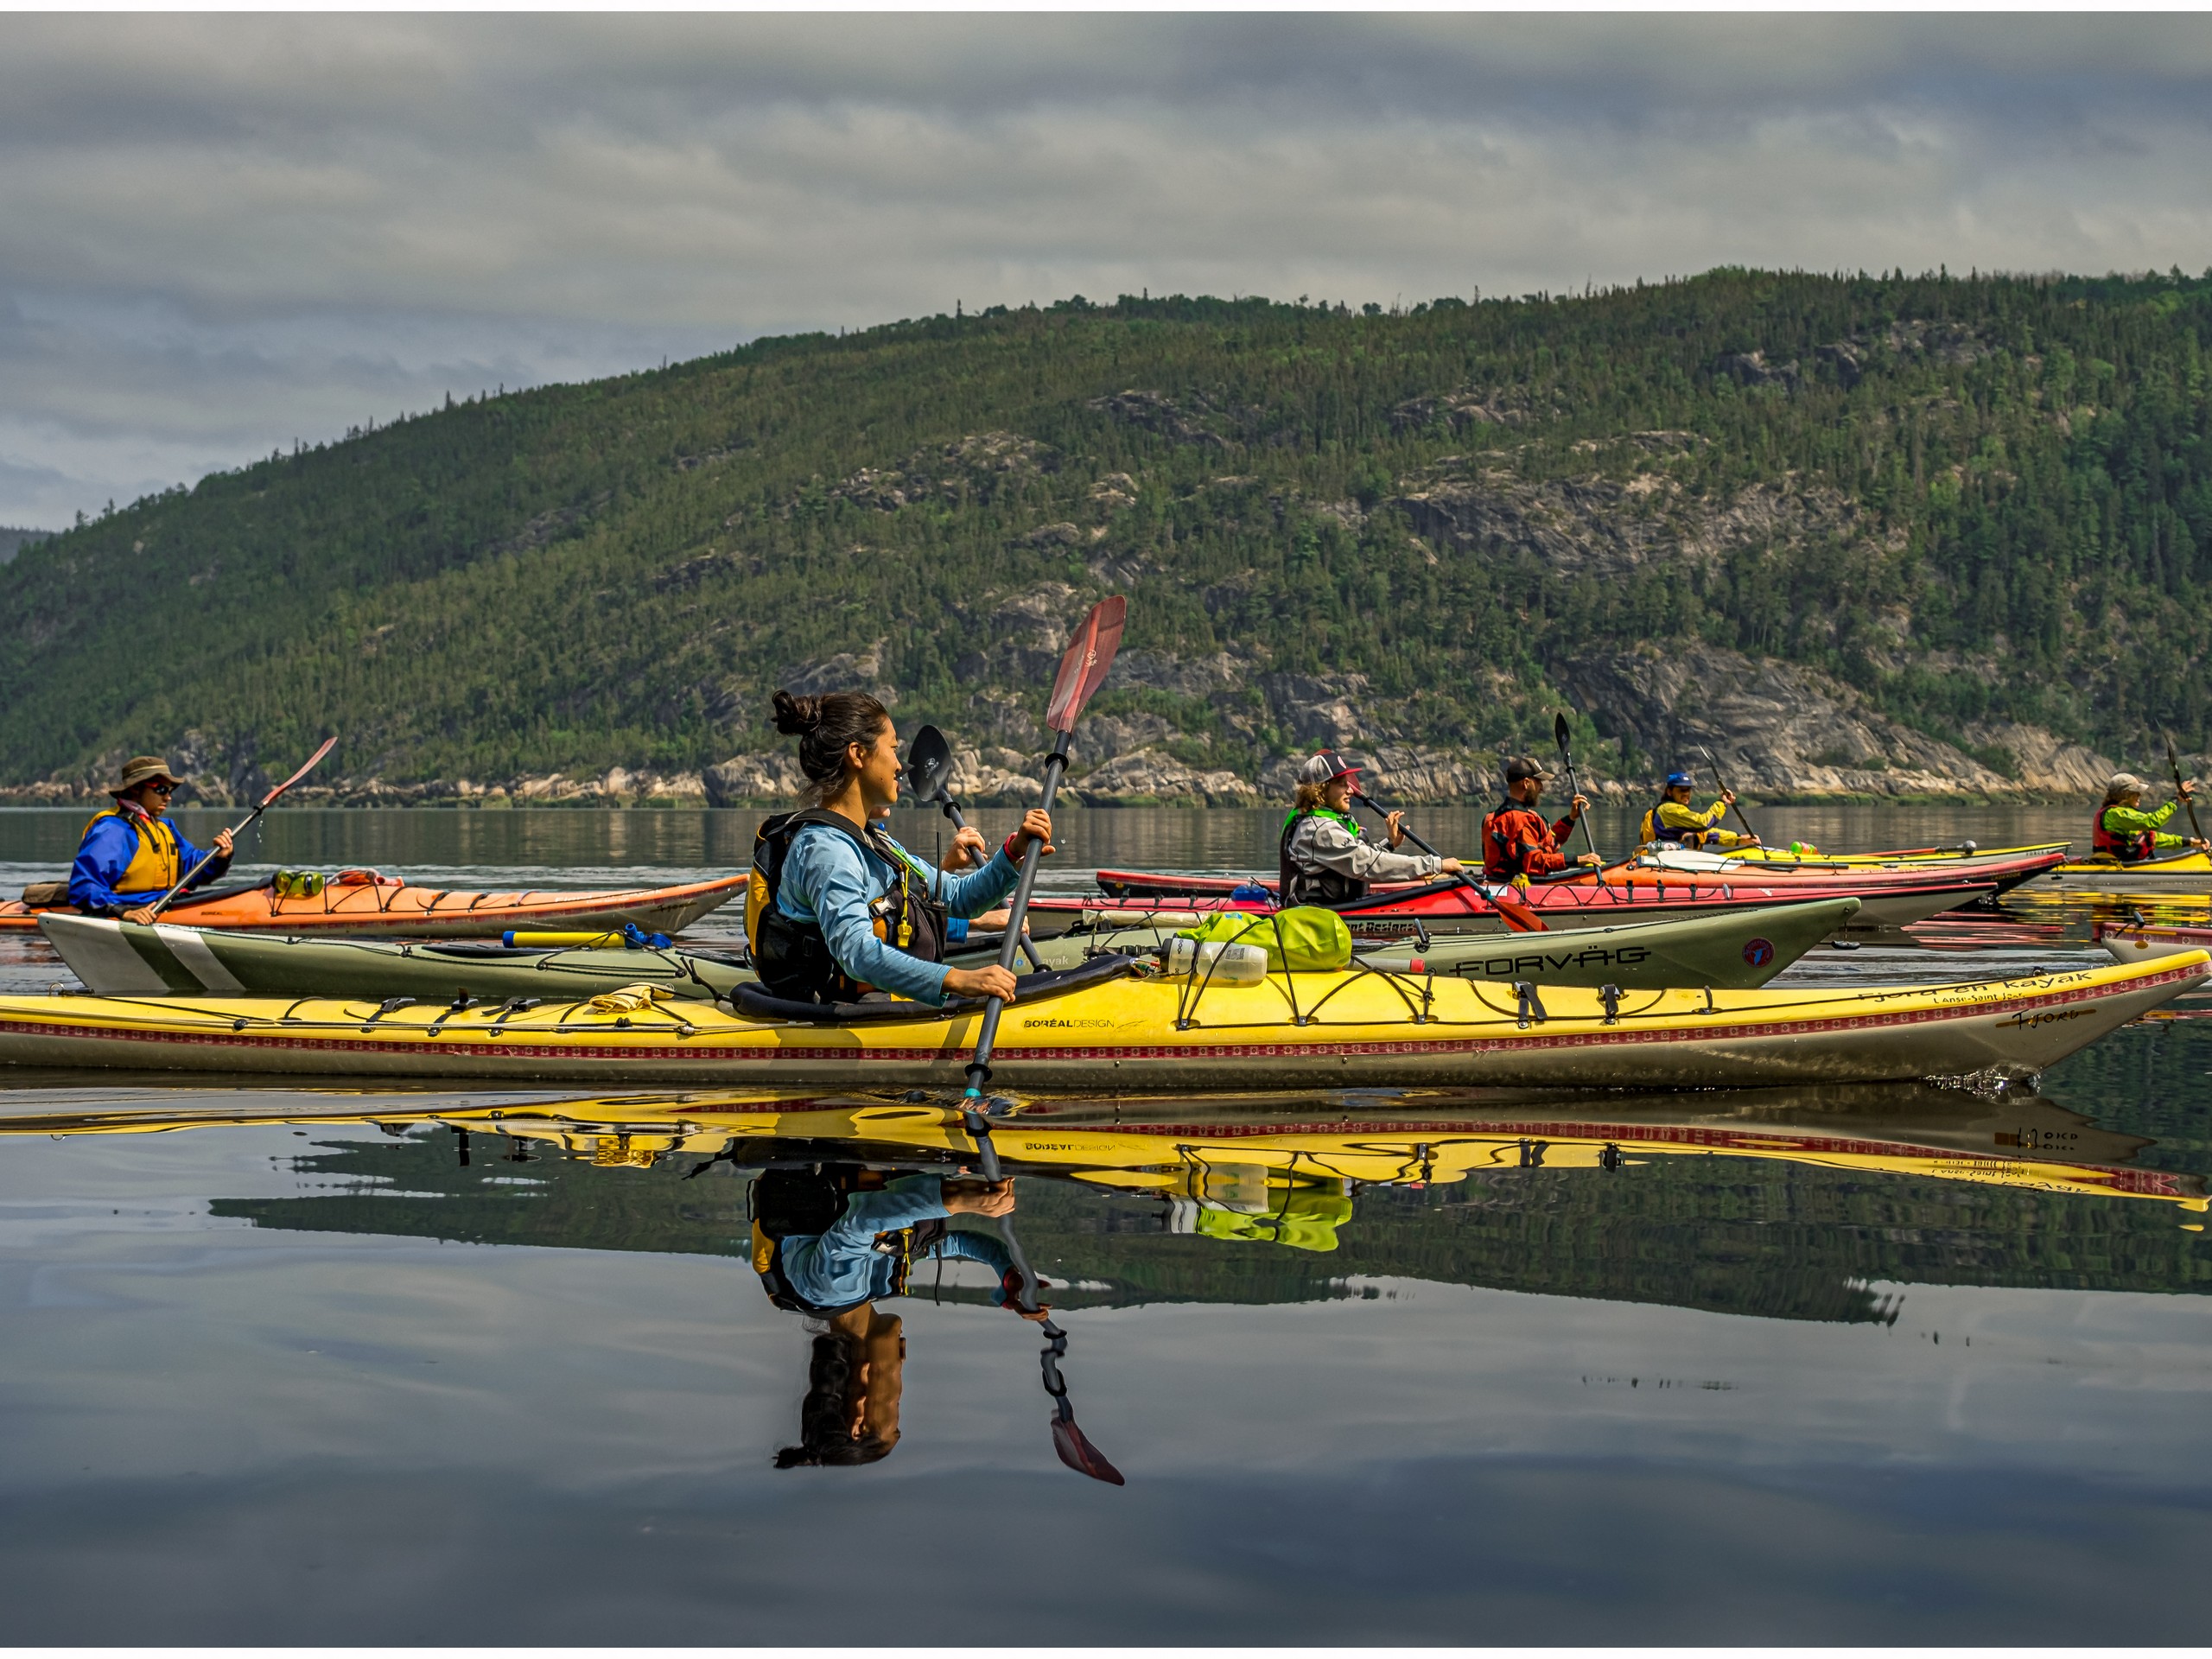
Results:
x,y
217,235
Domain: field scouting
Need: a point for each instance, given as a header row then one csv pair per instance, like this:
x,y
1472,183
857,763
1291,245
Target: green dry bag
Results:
x,y
1304,938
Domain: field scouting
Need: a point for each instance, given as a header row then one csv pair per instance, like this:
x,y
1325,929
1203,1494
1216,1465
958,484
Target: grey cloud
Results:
x,y
217,234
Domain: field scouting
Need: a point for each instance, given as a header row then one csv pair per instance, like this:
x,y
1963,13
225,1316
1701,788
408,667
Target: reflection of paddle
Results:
x,y
2173,764
1068,1441
1517,915
314,761
1741,817
929,770
1573,784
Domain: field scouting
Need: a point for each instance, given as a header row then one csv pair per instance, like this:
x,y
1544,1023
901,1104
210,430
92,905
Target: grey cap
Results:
x,y
1322,767
2124,782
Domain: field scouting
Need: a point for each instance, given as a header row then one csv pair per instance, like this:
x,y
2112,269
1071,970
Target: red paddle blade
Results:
x,y
1518,916
1091,653
1074,1446
314,761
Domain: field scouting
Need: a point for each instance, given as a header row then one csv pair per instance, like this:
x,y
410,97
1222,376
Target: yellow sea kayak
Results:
x,y
1105,1027
1816,858
2185,870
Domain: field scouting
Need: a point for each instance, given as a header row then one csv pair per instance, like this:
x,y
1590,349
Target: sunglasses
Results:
x,y
162,789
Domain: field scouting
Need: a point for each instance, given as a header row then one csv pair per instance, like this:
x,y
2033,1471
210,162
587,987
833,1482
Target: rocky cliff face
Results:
x,y
1779,729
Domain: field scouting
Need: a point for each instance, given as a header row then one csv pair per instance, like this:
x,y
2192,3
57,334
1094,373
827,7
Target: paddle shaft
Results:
x,y
1529,922
1017,917
2173,764
1574,787
1741,816
267,801
162,903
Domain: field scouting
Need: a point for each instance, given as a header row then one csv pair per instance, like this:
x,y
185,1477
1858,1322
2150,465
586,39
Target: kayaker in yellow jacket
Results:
x,y
2125,831
131,854
1672,818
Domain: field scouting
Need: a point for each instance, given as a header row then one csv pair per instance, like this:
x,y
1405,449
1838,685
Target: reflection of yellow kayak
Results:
x,y
1282,1170
2184,870
1089,1029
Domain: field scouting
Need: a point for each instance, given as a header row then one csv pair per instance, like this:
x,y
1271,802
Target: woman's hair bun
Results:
x,y
797,716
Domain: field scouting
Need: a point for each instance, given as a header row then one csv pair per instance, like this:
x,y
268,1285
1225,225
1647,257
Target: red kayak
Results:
x,y
1447,906
2002,872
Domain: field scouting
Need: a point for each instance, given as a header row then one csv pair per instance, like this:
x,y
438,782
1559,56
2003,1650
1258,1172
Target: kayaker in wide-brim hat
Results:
x,y
130,855
1516,841
1324,856
2125,831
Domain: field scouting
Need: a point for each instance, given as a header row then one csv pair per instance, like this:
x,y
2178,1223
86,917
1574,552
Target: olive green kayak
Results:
x,y
1734,950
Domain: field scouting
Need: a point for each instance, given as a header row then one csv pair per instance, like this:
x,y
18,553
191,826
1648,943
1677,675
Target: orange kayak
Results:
x,y
369,910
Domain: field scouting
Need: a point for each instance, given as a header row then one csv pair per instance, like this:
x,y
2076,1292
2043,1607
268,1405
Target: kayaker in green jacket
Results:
x,y
2125,831
1324,856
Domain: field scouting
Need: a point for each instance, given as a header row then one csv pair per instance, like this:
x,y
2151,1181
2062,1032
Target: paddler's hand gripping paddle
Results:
x,y
314,761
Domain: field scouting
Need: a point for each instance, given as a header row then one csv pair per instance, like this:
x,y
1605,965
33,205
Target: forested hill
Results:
x,y
1866,533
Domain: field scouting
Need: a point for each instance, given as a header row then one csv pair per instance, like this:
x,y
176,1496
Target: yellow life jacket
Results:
x,y
158,865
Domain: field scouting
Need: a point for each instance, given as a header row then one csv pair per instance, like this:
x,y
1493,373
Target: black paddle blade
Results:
x,y
1079,1454
928,764
1091,653
1559,732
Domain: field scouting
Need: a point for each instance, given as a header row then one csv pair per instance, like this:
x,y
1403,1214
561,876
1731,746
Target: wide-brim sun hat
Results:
x,y
143,769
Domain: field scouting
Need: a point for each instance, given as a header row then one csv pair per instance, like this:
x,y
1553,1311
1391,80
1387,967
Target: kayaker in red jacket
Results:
x,y
1516,841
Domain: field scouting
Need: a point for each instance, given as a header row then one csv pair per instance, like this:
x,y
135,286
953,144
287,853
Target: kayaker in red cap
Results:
x,y
1516,841
1324,857
131,854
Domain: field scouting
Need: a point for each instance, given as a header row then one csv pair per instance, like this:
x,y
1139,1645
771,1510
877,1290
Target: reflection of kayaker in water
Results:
x,y
2127,832
837,908
825,1246
131,854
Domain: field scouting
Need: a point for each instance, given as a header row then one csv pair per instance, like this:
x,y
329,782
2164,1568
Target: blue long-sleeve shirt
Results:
x,y
830,881
105,854
843,1267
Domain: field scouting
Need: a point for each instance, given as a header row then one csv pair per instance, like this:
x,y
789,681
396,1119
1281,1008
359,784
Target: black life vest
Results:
x,y
793,957
806,1203
1296,885
2129,847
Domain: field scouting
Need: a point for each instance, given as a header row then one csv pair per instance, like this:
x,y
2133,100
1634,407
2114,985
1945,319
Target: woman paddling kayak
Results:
x,y
837,909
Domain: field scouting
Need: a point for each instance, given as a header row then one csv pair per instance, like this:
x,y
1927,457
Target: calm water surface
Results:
x,y
1822,1366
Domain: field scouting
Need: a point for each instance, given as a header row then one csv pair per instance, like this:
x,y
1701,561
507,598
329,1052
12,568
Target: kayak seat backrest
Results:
x,y
754,1003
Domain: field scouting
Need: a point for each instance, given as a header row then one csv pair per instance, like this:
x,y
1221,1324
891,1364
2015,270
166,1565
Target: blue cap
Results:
x,y
1674,778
